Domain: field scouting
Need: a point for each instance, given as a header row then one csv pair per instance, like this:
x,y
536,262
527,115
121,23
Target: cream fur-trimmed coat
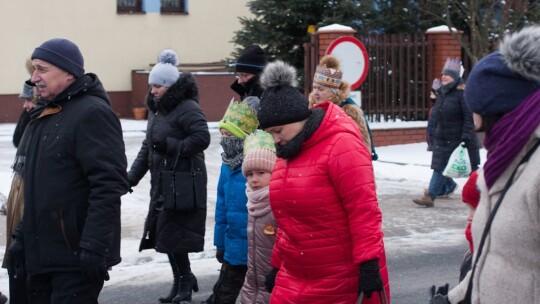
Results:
x,y
355,112
509,267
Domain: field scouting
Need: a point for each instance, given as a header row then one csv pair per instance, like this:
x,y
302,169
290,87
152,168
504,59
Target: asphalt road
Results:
x,y
424,246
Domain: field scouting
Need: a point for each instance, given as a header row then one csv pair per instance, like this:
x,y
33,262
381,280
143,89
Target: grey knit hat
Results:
x,y
62,53
27,91
281,103
165,72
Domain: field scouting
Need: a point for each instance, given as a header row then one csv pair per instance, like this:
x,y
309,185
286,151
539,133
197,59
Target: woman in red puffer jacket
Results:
x,y
329,247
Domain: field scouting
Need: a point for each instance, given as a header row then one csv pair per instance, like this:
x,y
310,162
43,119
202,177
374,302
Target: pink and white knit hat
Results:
x,y
259,152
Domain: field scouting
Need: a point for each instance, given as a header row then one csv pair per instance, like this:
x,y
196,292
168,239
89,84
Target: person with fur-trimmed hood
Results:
x,y
329,246
503,91
176,126
329,85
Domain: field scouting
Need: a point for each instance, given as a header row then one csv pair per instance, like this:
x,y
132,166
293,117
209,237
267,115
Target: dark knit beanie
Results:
x,y
251,61
63,54
499,82
281,103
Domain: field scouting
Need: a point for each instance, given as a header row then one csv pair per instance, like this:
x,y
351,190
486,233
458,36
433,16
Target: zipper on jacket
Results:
x,y
43,139
63,227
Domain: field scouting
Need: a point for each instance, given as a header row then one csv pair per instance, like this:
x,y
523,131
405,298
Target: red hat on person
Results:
x,y
470,193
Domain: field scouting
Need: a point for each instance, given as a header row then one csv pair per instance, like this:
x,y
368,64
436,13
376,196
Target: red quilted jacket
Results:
x,y
325,203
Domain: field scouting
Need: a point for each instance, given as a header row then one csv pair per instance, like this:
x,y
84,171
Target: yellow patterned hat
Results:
x,y
239,119
259,152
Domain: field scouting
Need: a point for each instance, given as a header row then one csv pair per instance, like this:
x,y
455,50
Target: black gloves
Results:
x,y
159,146
370,279
132,182
15,259
270,279
219,256
93,266
439,297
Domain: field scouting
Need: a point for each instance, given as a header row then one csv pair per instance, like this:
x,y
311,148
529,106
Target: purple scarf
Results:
x,y
509,135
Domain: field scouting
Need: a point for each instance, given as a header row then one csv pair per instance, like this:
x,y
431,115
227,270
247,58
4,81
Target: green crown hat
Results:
x,y
239,119
259,140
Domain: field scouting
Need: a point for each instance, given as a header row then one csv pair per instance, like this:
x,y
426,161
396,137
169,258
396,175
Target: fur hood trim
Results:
x,y
184,88
521,52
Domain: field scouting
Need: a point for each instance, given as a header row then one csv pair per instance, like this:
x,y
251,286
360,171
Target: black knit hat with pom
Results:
x,y
281,103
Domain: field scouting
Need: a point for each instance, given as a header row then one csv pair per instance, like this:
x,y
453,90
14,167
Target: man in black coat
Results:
x,y
70,232
248,68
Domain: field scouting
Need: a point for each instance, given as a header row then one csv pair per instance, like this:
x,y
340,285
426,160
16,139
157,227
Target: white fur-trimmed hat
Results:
x,y
499,82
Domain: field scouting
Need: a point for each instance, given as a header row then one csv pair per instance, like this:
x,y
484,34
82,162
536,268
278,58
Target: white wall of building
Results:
x,y
114,44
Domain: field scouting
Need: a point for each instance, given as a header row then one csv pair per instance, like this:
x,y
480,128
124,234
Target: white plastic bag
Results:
x,y
459,164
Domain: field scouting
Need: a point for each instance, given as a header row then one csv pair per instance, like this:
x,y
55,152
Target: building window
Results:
x,y
129,6
173,7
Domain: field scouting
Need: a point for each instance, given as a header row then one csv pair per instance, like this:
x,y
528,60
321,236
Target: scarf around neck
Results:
x,y
292,148
233,148
509,135
258,201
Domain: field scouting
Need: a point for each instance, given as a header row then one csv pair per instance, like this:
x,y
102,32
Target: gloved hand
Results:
x,y
132,183
93,266
466,141
16,259
219,256
370,278
439,297
159,146
270,279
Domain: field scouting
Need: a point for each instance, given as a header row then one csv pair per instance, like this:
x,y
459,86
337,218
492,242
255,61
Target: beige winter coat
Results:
x,y
509,267
353,111
262,230
14,211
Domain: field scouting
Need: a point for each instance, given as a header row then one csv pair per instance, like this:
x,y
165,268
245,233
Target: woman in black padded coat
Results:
x,y
176,125
452,123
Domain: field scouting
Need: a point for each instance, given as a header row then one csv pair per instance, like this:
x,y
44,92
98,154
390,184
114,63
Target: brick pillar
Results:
x,y
325,35
443,46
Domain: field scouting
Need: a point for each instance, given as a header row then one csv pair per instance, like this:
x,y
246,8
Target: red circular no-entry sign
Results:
x,y
353,57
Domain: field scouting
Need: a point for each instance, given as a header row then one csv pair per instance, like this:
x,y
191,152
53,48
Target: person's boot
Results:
x,y
175,286
188,283
210,300
3,298
425,200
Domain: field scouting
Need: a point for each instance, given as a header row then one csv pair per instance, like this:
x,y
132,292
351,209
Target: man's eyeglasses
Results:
x,y
242,75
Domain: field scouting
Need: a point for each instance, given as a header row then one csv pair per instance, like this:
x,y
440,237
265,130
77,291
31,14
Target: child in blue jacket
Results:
x,y
230,231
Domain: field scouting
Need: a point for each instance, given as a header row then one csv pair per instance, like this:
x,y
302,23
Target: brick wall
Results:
x,y
387,137
444,46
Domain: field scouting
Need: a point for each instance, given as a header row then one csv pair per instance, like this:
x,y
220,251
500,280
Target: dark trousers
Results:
x,y
17,290
229,284
62,288
180,263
